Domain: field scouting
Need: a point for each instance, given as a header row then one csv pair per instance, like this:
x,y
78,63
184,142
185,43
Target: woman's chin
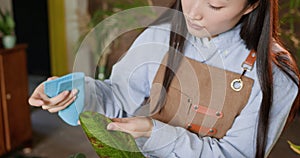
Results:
x,y
199,33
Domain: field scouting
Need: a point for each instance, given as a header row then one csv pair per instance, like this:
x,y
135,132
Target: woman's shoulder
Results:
x,y
282,74
283,78
277,47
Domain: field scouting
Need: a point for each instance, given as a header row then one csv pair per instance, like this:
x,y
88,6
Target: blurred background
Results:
x,y
45,37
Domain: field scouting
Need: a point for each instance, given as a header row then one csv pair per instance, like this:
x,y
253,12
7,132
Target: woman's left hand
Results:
x,y
136,126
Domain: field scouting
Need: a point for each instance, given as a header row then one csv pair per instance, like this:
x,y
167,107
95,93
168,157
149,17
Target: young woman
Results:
x,y
241,113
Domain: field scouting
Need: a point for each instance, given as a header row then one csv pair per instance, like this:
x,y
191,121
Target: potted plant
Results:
x,y
7,26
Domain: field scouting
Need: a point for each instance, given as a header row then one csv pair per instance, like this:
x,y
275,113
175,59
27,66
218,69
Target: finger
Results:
x,y
70,96
52,78
38,97
46,107
119,120
58,108
65,102
62,103
55,100
60,99
35,101
44,97
117,126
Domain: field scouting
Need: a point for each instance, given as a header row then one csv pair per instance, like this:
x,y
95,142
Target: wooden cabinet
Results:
x,y
15,123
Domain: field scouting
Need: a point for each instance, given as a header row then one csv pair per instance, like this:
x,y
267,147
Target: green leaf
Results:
x,y
1,14
108,143
7,23
1,24
10,22
295,148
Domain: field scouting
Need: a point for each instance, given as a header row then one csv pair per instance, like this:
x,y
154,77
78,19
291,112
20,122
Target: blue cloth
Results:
x,y
132,76
66,83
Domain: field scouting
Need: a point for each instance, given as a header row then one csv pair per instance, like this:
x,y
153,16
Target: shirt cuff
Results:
x,y
162,140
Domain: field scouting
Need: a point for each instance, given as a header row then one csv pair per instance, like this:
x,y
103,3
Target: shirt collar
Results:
x,y
223,40
228,38
221,43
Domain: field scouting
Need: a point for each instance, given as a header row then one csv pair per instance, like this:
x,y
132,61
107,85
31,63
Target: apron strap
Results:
x,y
247,65
250,60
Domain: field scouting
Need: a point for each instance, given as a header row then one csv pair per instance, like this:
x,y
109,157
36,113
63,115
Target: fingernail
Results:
x,y
66,92
44,107
110,126
74,91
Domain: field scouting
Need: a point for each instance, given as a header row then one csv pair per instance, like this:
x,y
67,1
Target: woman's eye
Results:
x,y
215,8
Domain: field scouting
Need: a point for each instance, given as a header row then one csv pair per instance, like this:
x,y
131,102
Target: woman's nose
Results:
x,y
195,11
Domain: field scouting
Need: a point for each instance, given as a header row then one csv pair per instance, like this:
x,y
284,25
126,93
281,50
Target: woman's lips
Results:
x,y
194,26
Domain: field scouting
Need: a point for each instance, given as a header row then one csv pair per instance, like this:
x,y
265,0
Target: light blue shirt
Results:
x,y
131,80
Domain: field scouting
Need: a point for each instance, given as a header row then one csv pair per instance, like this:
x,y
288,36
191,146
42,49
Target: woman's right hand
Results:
x,y
55,104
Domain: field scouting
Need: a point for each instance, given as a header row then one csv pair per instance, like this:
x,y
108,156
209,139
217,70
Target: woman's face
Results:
x,y
215,16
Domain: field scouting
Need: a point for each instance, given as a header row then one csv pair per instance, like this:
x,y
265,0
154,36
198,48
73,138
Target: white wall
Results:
x,y
77,17
6,4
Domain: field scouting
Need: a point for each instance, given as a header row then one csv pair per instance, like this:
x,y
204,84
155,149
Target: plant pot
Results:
x,y
9,41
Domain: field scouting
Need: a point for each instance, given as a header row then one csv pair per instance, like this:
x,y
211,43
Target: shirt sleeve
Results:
x,y
122,94
239,141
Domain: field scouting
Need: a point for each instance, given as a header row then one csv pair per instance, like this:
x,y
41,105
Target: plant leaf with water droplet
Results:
x,y
108,143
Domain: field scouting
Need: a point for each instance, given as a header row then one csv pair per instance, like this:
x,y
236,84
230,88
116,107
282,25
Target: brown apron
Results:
x,y
201,98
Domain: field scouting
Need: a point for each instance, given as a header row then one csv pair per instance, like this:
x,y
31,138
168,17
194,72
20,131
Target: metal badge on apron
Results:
x,y
237,84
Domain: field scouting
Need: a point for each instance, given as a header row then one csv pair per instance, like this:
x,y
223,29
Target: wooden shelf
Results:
x,y
15,123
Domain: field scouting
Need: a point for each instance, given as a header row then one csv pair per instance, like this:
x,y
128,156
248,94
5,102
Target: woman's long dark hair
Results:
x,y
258,34
259,31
